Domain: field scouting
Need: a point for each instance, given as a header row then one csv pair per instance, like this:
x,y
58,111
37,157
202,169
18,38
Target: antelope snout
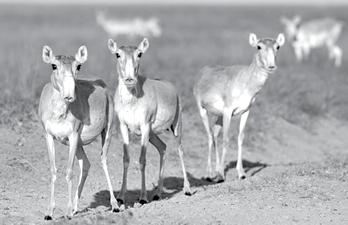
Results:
x,y
272,67
130,81
69,98
69,89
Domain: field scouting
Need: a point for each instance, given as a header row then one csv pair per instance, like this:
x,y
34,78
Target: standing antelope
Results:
x,y
314,34
145,107
132,27
230,91
74,112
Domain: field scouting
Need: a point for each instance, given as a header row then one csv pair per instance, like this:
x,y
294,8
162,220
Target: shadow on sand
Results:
x,y
172,186
254,167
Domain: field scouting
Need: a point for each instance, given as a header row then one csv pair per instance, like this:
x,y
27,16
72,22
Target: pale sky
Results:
x,y
196,2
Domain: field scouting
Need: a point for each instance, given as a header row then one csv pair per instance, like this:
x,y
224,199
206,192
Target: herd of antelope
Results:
x,y
75,111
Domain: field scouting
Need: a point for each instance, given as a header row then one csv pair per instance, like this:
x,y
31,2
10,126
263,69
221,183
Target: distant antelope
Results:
x,y
74,112
132,28
314,34
145,107
225,92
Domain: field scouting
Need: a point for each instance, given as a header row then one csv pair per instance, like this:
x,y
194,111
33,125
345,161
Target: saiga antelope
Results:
x,y
132,28
314,34
74,112
145,107
225,92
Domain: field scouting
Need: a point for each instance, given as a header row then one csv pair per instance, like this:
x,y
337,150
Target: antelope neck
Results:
x,y
258,72
127,94
60,106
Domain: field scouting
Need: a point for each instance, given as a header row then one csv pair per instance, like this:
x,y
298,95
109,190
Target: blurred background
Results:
x,y
193,34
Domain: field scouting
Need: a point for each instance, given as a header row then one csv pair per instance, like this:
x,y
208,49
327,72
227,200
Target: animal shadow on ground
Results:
x,y
172,186
248,166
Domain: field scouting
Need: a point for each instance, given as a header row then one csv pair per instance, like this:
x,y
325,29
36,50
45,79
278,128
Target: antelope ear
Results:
x,y
81,55
47,54
281,39
253,40
144,45
112,46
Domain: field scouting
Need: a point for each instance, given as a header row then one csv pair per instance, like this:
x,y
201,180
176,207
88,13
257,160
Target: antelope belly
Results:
x,y
59,129
214,104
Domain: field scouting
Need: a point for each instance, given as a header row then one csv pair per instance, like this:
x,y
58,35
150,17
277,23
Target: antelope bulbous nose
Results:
x,y
129,80
69,99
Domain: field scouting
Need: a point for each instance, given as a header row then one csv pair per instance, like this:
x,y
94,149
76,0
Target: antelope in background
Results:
x,y
146,107
225,92
74,112
132,28
314,34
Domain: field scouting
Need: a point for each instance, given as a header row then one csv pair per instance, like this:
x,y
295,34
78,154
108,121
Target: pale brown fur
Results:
x,y
145,107
75,117
230,91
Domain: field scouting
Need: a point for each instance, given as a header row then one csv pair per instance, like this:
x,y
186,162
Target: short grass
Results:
x,y
192,37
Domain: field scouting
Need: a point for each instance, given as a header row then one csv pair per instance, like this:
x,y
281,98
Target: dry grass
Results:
x,y
192,38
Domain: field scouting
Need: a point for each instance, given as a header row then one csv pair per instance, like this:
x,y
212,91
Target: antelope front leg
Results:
x,y
84,168
204,115
145,131
216,131
161,148
106,140
226,126
51,155
73,145
187,189
298,52
335,53
239,166
306,51
125,137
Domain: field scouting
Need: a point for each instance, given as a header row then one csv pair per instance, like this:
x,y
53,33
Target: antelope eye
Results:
x,y
117,55
54,67
258,47
78,67
278,47
140,54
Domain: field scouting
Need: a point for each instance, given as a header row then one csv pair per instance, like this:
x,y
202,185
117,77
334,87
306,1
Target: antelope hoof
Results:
x,y
187,190
143,201
242,177
47,217
156,197
114,205
219,178
115,210
120,201
208,179
188,193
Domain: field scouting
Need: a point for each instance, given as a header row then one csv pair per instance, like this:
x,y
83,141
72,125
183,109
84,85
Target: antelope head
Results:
x,y
266,50
65,69
128,58
291,26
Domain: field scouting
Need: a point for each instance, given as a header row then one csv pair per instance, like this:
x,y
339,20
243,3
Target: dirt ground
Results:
x,y
302,179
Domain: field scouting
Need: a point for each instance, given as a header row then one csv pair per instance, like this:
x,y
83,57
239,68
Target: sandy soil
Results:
x,y
298,178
